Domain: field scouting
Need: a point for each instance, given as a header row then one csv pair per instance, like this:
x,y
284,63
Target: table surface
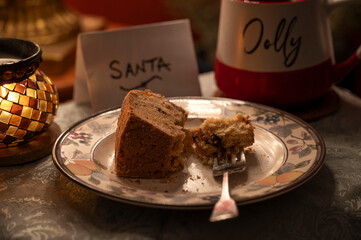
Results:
x,y
38,202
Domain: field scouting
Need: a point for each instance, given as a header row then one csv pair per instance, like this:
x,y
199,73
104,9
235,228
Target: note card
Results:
x,y
159,57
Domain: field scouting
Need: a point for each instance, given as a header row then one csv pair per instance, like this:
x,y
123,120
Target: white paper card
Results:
x,y
159,57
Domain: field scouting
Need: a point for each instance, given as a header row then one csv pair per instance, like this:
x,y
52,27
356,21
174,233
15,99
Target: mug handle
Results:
x,y
344,68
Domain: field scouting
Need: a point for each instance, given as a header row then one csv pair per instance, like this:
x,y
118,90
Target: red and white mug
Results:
x,y
278,52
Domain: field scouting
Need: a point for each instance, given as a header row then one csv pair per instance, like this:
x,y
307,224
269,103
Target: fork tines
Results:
x,y
231,160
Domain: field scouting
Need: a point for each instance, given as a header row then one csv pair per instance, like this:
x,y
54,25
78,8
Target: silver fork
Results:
x,y
227,161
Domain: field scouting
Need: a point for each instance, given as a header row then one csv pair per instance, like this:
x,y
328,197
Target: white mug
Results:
x,y
279,52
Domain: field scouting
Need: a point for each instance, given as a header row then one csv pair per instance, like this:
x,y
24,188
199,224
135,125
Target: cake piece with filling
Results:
x,y
149,136
216,133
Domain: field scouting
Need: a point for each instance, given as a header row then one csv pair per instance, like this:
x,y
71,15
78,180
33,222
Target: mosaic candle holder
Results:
x,y
28,98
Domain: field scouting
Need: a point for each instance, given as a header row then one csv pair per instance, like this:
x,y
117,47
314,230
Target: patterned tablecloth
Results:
x,y
38,202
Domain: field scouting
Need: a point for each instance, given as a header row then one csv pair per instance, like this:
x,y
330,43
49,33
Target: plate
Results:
x,y
287,152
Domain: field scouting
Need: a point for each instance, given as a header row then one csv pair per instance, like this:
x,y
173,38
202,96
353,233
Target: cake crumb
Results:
x,y
248,149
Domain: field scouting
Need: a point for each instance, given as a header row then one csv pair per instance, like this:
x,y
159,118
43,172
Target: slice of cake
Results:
x,y
149,136
215,133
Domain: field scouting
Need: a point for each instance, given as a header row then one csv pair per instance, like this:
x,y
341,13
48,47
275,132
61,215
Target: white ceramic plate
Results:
x,y
287,152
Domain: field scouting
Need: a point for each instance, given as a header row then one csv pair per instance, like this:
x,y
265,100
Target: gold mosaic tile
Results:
x,y
16,109
40,127
40,77
47,96
33,78
41,94
31,93
52,97
24,82
15,120
3,92
10,86
47,79
6,105
20,133
50,107
14,97
24,123
11,130
5,117
43,105
32,84
34,103
41,86
43,116
49,88
32,126
50,118
27,112
36,115
20,88
3,127
24,100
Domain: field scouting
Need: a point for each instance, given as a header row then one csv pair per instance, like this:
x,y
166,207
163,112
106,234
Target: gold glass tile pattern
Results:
x,y
27,112
32,83
6,105
13,97
11,130
27,109
3,92
10,86
24,100
31,92
5,117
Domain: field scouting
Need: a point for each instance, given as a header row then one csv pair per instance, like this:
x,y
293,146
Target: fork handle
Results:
x,y
226,207
225,188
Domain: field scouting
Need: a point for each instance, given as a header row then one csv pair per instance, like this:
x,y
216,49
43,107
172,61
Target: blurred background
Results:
x,y
54,25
